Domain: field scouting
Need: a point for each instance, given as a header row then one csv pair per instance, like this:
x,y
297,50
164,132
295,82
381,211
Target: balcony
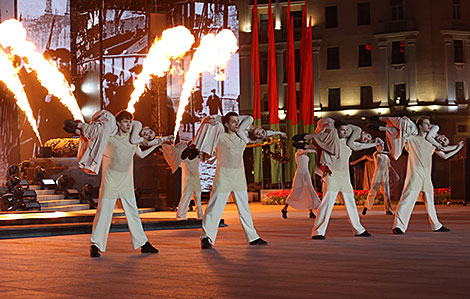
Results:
x,y
396,26
463,24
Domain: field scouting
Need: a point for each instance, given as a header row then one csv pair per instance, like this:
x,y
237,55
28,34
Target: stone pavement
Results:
x,y
420,264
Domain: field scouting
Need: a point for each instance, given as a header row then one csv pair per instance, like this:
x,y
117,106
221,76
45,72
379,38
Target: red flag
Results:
x,y
306,81
255,64
290,67
310,78
272,72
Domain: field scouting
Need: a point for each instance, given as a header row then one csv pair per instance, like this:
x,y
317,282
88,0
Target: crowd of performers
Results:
x,y
114,140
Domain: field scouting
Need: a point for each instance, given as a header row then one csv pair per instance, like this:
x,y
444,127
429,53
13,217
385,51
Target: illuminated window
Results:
x,y
400,94
365,55
398,52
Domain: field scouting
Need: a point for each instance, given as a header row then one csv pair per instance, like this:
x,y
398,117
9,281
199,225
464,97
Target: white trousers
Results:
x,y
103,218
406,205
184,204
215,209
384,187
326,207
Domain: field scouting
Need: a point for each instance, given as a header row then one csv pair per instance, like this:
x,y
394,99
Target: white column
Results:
x,y
450,69
316,75
411,51
280,68
384,93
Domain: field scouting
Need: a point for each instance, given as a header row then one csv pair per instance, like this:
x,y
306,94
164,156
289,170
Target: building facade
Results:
x,y
376,57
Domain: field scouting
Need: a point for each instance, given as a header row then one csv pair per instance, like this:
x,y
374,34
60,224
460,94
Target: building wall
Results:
x,y
428,30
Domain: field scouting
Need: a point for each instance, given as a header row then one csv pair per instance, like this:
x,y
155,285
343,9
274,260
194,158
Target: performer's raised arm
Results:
x,y
158,141
135,132
270,133
447,155
363,158
431,137
144,153
354,133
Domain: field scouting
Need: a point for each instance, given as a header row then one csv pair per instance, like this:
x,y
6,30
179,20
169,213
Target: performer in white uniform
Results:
x,y
302,195
381,180
211,129
418,178
190,181
118,182
336,182
399,128
229,178
95,135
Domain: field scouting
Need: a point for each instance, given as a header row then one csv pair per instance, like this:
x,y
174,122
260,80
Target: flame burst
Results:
x,y
174,43
212,55
9,76
14,37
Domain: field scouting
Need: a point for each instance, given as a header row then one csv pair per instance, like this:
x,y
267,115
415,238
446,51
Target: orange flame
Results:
x,y
14,36
212,55
173,44
9,76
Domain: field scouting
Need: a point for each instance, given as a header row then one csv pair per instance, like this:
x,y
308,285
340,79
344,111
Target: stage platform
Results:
x,y
43,224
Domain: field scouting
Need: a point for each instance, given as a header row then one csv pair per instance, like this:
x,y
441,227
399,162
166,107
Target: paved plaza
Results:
x,y
419,264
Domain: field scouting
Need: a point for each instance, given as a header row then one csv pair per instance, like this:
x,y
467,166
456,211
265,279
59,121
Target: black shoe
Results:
x,y
389,213
318,237
94,251
185,153
193,153
299,145
284,213
312,215
259,241
299,137
364,211
443,229
373,127
397,231
205,244
148,248
364,234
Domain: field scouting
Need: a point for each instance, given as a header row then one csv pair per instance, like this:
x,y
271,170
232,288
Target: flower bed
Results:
x,y
275,198
441,196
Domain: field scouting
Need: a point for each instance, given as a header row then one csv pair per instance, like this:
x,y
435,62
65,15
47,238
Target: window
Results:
x,y
263,67
400,94
398,52
334,98
331,17
456,10
459,92
461,128
333,58
363,13
365,55
397,9
458,51
263,23
366,96
297,20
